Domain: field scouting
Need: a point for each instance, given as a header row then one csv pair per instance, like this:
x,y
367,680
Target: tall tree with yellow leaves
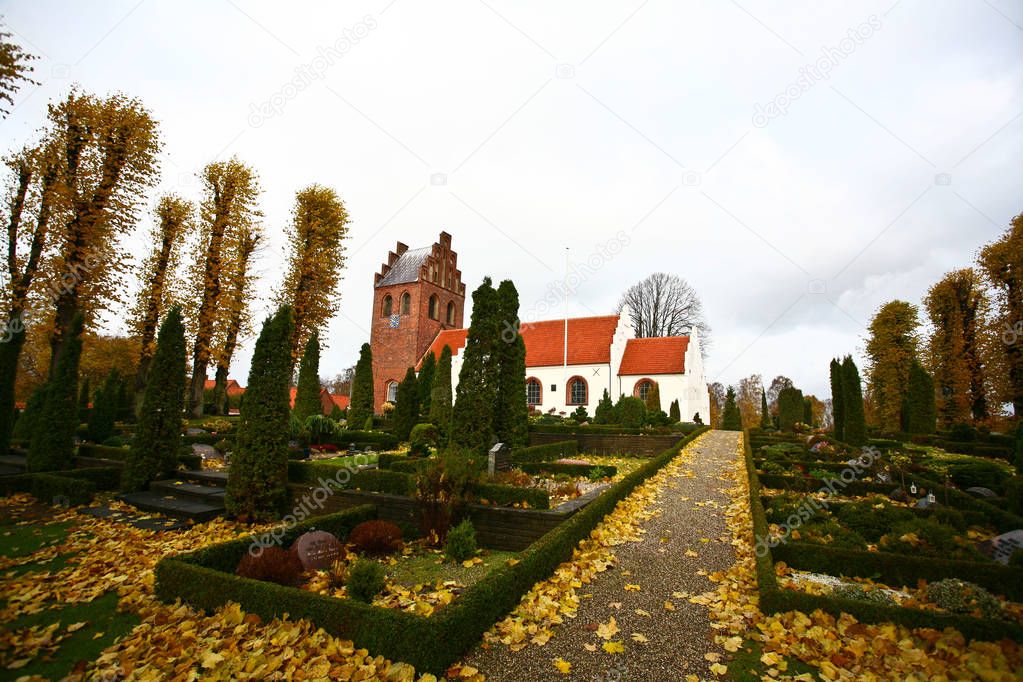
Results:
x,y
748,399
230,191
957,307
891,349
175,222
319,226
1002,264
105,152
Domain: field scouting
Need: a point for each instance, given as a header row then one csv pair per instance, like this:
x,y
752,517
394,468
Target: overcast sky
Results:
x,y
798,163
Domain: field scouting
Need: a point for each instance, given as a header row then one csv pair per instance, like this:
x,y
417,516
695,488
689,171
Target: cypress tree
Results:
x,y
425,382
53,438
511,414
837,400
604,414
472,425
808,411
25,426
440,394
361,407
105,408
852,400
307,394
406,409
791,408
83,400
257,485
653,399
674,411
731,419
921,412
154,450
765,414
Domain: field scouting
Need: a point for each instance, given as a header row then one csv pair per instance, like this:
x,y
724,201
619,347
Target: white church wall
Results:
x,y
598,377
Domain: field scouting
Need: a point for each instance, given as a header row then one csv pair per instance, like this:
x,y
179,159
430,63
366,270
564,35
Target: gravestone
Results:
x,y
206,451
981,491
193,431
1001,547
899,495
318,549
498,459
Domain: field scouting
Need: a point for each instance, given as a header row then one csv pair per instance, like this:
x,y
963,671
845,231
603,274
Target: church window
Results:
x,y
451,313
392,391
406,303
577,391
388,306
643,389
534,392
434,308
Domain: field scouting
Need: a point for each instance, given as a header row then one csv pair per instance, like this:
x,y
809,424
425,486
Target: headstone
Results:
x,y
318,549
925,503
882,477
981,491
206,451
498,459
193,431
1001,547
899,495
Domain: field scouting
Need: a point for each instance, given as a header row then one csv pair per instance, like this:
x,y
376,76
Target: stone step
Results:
x,y
212,478
13,464
168,505
210,494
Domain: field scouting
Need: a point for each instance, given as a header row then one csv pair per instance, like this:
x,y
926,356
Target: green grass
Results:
x,y
424,568
746,666
52,565
348,460
103,625
19,541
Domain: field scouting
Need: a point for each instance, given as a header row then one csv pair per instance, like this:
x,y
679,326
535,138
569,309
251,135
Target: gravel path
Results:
x,y
691,519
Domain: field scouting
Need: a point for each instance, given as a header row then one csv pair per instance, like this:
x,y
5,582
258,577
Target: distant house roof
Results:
x,y
663,355
233,387
328,400
407,267
589,341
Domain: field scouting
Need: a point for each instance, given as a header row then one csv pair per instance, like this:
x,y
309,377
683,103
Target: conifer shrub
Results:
x,y
104,408
423,439
53,439
274,564
307,393
365,580
857,593
461,542
406,410
960,596
361,407
731,417
630,412
376,537
604,413
579,414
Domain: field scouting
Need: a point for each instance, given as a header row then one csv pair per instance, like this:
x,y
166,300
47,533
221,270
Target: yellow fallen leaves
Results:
x,y
631,587
639,637
669,606
607,630
613,647
563,666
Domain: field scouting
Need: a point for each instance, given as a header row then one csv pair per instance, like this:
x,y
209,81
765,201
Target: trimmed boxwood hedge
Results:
x,y
102,451
50,487
206,580
776,600
378,440
545,453
505,495
374,480
570,469
613,429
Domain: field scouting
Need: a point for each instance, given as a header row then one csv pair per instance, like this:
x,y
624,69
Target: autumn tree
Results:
x,y
855,428
665,305
779,383
748,400
472,424
837,401
319,226
228,207
257,485
891,349
406,408
307,394
1002,263
154,449
15,67
53,436
717,403
237,299
920,407
341,383
174,223
511,414
361,407
731,418
440,394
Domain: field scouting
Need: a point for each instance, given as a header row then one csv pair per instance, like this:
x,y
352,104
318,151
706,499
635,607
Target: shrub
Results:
x,y
365,580
1014,495
857,593
441,488
977,472
790,408
319,427
361,408
461,542
376,537
406,410
307,393
368,425
826,530
630,412
274,564
870,522
923,536
104,408
53,438
422,438
963,433
959,596
731,418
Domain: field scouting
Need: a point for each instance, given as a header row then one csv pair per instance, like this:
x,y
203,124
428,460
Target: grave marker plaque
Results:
x,y
318,549
498,459
1001,547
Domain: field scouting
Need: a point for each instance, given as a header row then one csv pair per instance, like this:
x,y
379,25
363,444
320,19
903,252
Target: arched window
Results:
x,y
392,391
534,392
434,305
406,303
643,388
451,313
577,393
388,306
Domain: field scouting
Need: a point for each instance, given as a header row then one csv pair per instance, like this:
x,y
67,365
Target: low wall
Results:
x,y
611,444
501,528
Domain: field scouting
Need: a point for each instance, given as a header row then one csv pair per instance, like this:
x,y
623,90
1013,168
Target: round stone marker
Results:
x,y
318,549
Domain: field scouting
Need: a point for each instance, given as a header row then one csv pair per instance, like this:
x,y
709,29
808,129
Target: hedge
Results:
x,y
378,440
545,453
570,469
373,480
506,495
775,600
50,486
205,579
410,465
102,452
613,429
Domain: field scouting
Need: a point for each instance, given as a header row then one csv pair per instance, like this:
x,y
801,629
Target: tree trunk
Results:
x,y
9,354
220,405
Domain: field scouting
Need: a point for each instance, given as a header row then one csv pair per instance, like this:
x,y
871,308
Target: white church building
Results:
x,y
603,353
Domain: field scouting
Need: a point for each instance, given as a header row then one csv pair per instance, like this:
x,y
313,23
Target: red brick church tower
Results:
x,y
416,294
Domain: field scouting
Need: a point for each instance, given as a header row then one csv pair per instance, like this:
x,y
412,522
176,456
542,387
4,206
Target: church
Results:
x,y
419,307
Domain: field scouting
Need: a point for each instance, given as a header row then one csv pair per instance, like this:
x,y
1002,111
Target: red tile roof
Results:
x,y
327,400
589,341
664,355
233,387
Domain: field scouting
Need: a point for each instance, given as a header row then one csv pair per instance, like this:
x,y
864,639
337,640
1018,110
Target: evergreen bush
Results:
x,y
406,410
307,394
53,439
361,407
461,542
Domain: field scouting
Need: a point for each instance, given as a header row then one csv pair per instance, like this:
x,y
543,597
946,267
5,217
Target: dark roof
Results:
x,y
407,267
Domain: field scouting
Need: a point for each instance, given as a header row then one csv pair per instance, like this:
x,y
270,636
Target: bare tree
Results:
x,y
665,305
777,384
341,384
